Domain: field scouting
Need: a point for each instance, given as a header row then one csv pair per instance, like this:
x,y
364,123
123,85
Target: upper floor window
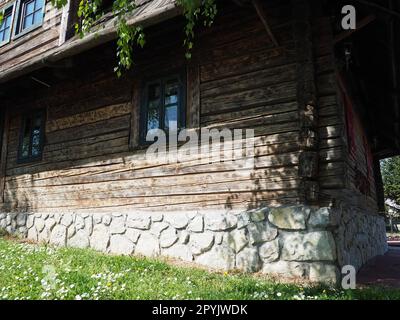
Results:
x,y
163,105
6,24
30,15
31,136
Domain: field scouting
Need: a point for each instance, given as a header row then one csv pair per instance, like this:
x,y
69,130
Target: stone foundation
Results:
x,y
301,242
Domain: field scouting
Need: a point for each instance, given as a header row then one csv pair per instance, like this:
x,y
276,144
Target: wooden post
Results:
x,y
135,116
4,147
307,102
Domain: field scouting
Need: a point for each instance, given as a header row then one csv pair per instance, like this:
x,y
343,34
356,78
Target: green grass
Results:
x,y
30,271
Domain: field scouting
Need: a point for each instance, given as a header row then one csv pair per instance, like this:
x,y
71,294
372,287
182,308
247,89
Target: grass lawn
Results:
x,y
29,271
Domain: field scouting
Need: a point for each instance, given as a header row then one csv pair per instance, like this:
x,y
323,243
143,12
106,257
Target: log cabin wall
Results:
x,y
346,162
24,47
244,81
93,162
237,78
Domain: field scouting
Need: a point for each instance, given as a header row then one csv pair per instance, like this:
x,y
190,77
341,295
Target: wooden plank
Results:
x,y
4,149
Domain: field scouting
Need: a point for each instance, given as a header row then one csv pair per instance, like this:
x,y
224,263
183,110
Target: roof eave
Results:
x,y
106,33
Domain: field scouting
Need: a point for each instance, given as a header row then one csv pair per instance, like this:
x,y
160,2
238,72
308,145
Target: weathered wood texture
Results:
x,y
338,179
236,79
35,42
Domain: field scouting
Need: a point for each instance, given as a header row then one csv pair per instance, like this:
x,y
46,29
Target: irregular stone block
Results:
x,y
117,225
147,245
291,218
157,217
58,236
79,223
132,234
39,224
201,242
238,239
179,251
178,220
100,238
219,257
184,237
258,215
220,221
243,219
320,218
107,219
120,244
168,237
21,219
66,220
219,237
138,222
44,236
312,246
286,269
79,240
30,221
32,234
196,225
261,232
89,224
50,223
97,218
269,251
325,273
248,260
71,231
158,227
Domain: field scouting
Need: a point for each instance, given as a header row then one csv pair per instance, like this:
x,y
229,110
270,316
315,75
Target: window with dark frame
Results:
x,y
30,15
31,136
163,105
6,24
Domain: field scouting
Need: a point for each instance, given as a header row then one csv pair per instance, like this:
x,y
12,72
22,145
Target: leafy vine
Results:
x,y
90,11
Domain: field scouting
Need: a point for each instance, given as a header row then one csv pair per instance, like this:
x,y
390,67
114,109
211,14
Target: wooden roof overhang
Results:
x,y
147,13
372,68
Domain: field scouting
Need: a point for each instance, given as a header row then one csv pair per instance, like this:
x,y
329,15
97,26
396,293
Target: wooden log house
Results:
x,y
323,103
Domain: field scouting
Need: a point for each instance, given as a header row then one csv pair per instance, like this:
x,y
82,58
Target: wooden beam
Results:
x,y
3,155
361,24
263,17
135,116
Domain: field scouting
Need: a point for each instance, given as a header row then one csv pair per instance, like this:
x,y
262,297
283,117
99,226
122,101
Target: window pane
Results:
x,y
171,117
29,7
153,111
39,4
37,17
26,138
171,92
37,128
5,27
28,21
152,119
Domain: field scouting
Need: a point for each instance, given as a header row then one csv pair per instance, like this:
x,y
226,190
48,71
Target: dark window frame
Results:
x,y
32,115
19,31
9,7
162,80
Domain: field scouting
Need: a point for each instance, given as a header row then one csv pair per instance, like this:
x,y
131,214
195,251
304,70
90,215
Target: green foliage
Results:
x,y
391,178
193,10
89,11
44,272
